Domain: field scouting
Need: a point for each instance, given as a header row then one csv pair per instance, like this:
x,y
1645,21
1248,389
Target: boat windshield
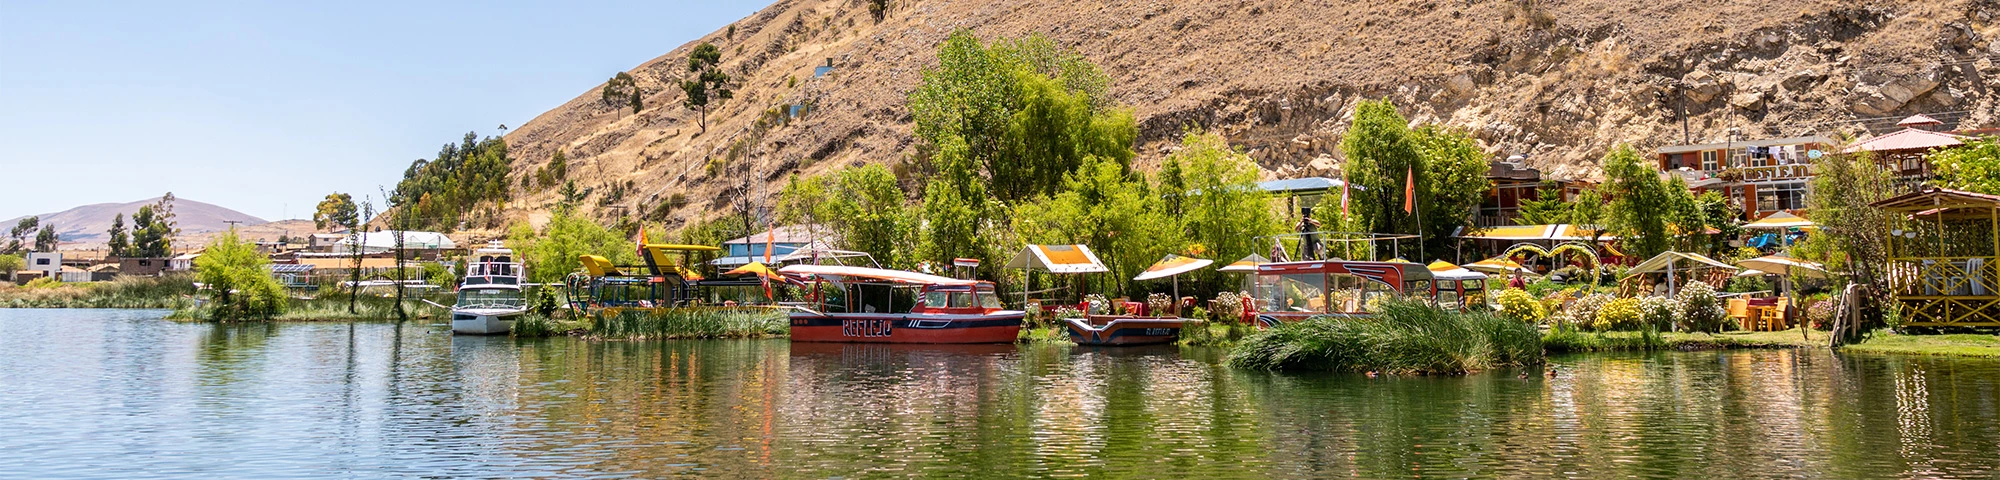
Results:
x,y
489,298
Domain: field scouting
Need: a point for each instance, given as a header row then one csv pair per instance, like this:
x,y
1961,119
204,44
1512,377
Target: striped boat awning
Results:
x,y
1512,232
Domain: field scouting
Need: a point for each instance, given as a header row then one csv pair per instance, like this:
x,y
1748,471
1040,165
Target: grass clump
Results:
x,y
539,326
1964,344
692,323
1049,334
1406,337
168,291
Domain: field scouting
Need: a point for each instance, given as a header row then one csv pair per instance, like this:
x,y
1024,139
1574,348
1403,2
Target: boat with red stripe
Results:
x,y
874,305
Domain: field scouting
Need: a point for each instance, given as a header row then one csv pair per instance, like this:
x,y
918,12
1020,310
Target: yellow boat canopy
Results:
x,y
1058,259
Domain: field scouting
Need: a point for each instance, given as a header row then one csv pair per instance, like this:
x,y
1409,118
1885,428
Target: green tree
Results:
x,y
120,241
237,280
1455,171
1546,209
553,252
706,80
1220,209
1857,233
47,241
954,209
1111,211
19,235
1027,110
1383,155
465,185
1974,167
1718,213
10,263
863,206
336,211
1641,206
153,228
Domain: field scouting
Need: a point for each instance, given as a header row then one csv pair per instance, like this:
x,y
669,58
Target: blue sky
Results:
x,y
265,107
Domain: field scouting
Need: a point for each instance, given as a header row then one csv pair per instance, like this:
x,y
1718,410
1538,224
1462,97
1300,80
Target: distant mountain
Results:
x,y
87,224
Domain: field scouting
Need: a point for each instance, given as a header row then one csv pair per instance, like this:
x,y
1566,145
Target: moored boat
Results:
x,y
489,300
1293,291
873,305
1124,330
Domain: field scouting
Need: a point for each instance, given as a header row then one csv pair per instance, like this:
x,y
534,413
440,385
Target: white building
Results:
x,y
49,263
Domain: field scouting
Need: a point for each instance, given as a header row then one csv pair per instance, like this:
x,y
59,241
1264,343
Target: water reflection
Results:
x,y
119,395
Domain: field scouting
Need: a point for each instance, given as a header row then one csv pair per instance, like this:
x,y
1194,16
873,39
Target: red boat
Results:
x,y
1124,330
1293,291
873,305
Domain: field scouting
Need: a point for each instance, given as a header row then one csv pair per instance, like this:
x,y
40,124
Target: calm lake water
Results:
x,y
121,394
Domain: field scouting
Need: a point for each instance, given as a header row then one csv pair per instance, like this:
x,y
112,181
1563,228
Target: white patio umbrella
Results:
x,y
1247,264
1172,266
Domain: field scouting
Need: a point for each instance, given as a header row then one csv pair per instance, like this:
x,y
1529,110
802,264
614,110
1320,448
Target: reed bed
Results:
x,y
692,323
1215,334
171,291
1052,334
1406,337
332,308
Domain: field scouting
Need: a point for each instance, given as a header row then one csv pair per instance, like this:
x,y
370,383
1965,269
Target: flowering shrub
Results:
x,y
1159,304
1619,314
1657,312
1520,306
1580,313
1820,314
1697,309
1555,302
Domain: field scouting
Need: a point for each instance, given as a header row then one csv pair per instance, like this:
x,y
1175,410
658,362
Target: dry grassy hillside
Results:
x,y
1560,80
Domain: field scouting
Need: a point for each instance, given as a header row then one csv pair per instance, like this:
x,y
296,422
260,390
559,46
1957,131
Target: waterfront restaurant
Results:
x,y
1764,176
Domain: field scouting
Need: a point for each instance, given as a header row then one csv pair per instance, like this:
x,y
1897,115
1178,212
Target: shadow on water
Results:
x,y
410,399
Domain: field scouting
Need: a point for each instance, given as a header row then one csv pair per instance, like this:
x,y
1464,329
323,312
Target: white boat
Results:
x,y
490,297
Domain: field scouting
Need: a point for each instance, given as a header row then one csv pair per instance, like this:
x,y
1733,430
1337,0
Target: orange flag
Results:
x,y
1346,190
1409,190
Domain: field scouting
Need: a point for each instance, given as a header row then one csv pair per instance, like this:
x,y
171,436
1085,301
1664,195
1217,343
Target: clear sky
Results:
x,y
265,107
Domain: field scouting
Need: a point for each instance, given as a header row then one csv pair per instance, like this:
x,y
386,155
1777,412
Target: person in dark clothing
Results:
x,y
1310,248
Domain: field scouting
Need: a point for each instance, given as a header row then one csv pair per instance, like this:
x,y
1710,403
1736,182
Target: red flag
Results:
x,y
1409,190
768,239
1346,190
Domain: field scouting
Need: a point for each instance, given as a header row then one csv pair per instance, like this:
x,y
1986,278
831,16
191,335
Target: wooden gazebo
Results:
x,y
1944,269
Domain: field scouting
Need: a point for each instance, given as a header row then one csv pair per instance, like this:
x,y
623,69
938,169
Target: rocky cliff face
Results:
x,y
1561,81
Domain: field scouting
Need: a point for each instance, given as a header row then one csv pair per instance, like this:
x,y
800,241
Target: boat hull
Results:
x,y
483,323
1125,331
1001,327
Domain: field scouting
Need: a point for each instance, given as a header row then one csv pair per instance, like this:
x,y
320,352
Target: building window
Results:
x,y
1781,196
145,263
1708,161
41,261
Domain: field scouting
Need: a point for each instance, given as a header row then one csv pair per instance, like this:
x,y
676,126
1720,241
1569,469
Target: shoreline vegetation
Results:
x,y
1406,337
667,324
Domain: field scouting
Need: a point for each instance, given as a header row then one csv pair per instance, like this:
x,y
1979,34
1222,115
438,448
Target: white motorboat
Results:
x,y
489,300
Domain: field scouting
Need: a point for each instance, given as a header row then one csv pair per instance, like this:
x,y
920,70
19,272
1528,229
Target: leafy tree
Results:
x,y
1456,173
1857,233
876,8
120,241
241,287
1107,209
1974,167
1546,209
1220,209
622,89
1382,155
21,231
153,228
1027,110
1718,213
10,263
444,193
863,206
556,171
552,253
47,241
954,209
336,211
706,80
1642,205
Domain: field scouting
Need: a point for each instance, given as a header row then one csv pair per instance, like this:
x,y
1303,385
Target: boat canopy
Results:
x,y
1444,270
1659,263
1058,259
1173,265
878,274
599,266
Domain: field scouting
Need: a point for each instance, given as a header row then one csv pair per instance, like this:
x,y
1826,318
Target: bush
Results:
x,y
1619,314
1407,337
1657,313
1820,313
1521,306
1697,309
1580,313
239,286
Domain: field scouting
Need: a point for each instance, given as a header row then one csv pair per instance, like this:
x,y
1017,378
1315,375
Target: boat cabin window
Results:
x,y
1373,293
988,300
1346,293
1447,294
1298,292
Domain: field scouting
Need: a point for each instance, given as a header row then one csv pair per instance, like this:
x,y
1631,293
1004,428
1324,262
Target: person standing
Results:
x,y
1311,248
